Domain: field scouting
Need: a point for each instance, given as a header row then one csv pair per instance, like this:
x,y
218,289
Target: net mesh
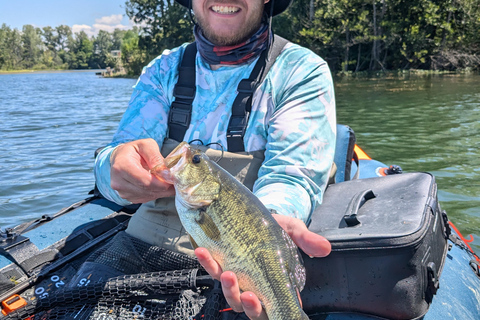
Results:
x,y
130,255
155,283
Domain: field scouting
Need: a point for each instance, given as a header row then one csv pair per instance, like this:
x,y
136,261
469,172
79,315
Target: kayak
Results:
x,y
39,261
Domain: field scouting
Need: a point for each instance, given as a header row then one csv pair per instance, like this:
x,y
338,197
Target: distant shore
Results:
x,y
361,74
98,72
49,71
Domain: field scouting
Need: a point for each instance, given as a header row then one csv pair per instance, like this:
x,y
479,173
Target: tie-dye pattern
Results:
x,y
292,120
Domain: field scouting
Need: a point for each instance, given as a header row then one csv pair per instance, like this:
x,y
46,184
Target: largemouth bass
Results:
x,y
223,216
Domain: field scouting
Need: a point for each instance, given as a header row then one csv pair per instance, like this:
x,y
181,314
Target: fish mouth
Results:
x,y
165,171
171,162
174,157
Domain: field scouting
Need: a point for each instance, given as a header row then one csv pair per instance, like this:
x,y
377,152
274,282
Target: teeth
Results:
x,y
222,9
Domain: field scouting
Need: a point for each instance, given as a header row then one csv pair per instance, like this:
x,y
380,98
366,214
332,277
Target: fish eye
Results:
x,y
196,159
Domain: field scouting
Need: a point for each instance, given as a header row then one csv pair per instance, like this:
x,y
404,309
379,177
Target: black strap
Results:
x,y
24,253
184,93
242,105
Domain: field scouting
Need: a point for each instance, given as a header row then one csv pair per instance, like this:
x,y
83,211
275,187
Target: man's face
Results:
x,y
228,22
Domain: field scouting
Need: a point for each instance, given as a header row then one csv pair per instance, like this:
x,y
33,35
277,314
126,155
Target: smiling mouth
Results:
x,y
225,9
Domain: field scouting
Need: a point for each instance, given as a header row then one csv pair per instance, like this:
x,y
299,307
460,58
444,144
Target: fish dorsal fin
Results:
x,y
208,226
294,264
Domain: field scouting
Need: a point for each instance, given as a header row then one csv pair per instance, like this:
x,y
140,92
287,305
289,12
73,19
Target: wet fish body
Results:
x,y
222,215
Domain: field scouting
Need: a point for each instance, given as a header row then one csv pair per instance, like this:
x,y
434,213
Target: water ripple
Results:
x,y
53,123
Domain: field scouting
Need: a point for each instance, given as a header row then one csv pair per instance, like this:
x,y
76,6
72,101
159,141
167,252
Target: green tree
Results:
x,y
64,37
50,38
33,46
3,45
117,38
11,48
103,42
166,24
50,57
102,45
133,57
82,47
64,46
386,34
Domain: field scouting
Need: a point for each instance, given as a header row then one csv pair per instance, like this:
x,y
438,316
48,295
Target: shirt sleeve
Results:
x,y
301,137
145,117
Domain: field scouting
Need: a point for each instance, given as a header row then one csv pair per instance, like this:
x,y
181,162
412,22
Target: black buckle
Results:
x,y
246,86
432,282
179,116
237,125
183,92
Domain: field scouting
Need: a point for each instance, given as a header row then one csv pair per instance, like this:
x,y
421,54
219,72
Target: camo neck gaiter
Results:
x,y
236,54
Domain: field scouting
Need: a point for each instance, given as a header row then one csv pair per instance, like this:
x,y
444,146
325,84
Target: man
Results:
x,y
292,123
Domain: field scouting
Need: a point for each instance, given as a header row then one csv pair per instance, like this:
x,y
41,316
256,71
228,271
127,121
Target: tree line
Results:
x,y
59,48
351,35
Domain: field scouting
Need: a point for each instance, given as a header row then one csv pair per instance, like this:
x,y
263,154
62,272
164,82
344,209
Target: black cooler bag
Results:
x,y
388,248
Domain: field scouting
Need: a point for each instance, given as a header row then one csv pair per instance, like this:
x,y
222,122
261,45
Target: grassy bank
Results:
x,y
121,75
402,73
15,71
47,71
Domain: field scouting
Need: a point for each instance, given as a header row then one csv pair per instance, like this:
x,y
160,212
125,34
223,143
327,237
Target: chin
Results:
x,y
230,39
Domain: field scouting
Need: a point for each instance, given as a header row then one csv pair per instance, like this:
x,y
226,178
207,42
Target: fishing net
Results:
x,y
155,283
158,295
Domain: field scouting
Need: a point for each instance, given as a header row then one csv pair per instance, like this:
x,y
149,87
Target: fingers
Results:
x,y
246,302
150,152
231,290
208,263
311,243
130,172
252,306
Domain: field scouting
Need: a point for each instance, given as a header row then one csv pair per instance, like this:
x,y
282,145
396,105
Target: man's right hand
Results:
x,y
130,172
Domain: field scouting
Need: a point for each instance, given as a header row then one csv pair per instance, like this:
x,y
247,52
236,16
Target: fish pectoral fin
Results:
x,y
208,225
194,244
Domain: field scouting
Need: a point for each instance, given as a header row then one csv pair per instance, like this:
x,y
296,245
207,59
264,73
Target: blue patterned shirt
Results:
x,y
292,119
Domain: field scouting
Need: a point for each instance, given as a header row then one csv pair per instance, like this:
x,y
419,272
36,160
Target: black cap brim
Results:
x,y
278,5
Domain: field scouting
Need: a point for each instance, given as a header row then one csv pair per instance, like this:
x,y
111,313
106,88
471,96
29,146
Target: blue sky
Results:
x,y
87,15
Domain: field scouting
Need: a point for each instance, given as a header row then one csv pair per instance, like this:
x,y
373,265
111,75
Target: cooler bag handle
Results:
x,y
357,201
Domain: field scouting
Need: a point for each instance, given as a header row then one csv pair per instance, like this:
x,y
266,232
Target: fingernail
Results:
x,y
248,303
227,283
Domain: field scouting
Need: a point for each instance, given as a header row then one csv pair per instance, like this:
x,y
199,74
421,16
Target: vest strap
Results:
x,y
184,92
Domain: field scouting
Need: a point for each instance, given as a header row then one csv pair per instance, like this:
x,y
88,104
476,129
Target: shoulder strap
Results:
x,y
242,104
184,93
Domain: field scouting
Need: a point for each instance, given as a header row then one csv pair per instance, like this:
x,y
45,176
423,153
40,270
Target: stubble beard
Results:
x,y
228,40
232,39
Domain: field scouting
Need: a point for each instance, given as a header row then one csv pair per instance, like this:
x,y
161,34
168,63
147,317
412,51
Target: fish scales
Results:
x,y
222,215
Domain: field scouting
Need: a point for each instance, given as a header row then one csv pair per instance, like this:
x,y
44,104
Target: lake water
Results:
x,y
53,122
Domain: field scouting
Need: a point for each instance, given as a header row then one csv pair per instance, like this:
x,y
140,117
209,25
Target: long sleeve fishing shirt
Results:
x,y
292,119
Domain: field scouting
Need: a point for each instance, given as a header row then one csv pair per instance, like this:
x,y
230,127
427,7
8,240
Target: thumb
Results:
x,y
153,160
311,243
150,153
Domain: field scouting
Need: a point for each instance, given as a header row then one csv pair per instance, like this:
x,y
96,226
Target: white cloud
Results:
x,y
82,27
106,23
109,28
110,20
